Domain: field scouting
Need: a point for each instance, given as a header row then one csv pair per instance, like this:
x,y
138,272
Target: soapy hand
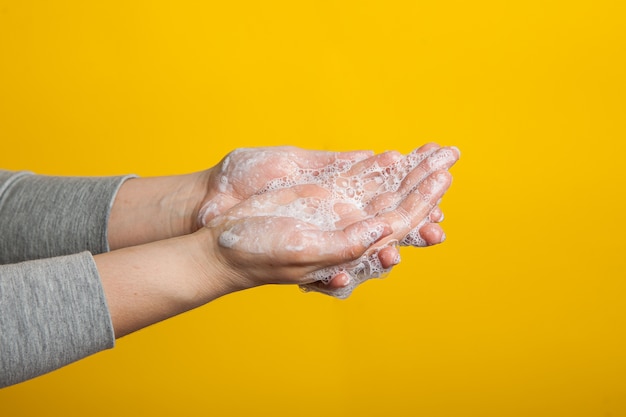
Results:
x,y
358,186
285,235
295,235
246,171
359,174
406,212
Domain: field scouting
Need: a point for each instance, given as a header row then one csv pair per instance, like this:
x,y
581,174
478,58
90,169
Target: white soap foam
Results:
x,y
343,188
228,239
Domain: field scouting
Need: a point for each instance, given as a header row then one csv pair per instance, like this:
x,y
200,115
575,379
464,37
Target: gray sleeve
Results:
x,y
45,216
52,312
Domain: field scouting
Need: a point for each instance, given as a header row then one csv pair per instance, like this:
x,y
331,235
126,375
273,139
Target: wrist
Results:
x,y
156,208
185,199
215,276
148,283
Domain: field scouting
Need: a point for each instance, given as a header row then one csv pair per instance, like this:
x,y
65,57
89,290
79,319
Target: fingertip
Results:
x,y
432,234
340,280
436,215
389,256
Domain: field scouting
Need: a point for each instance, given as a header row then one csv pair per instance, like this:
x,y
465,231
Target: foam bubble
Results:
x,y
357,190
345,189
228,239
359,271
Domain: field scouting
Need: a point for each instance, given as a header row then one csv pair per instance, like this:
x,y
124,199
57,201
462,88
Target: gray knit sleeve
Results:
x,y
52,312
45,216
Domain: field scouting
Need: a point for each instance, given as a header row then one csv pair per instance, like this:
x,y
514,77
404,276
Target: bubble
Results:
x,y
228,239
343,188
360,270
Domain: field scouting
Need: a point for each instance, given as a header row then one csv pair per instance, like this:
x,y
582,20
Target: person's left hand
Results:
x,y
247,171
291,235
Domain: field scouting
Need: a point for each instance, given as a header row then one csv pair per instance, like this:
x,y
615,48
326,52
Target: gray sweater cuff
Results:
x,y
54,312
45,216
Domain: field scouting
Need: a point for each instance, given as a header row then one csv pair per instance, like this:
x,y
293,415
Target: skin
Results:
x,y
163,262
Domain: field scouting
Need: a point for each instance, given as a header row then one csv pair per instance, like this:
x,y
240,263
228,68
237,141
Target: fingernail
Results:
x,y
344,280
456,149
443,237
397,259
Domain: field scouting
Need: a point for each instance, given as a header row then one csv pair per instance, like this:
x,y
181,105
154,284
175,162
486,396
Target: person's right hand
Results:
x,y
359,175
285,235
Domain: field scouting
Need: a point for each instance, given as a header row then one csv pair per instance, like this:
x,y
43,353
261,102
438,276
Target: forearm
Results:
x,y
155,208
148,283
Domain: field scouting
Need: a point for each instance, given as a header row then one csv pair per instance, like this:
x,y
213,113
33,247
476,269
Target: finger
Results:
x,y
303,202
340,280
364,180
440,159
436,215
215,207
389,256
397,172
428,234
347,245
314,159
354,155
431,157
381,160
416,206
432,234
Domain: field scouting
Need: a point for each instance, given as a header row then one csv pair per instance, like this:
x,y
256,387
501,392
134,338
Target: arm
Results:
x,y
52,312
46,216
252,244
143,283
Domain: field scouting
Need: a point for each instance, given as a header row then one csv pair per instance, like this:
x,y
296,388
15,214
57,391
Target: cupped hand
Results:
x,y
290,235
247,171
407,213
359,176
284,236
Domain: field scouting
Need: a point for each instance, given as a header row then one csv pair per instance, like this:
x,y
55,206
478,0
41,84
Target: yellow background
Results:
x,y
522,312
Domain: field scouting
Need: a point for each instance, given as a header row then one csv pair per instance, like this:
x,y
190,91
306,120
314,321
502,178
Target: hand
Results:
x,y
409,210
366,184
247,171
288,235
366,189
357,175
283,236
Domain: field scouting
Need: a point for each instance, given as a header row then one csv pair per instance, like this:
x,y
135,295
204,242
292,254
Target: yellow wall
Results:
x,y
522,312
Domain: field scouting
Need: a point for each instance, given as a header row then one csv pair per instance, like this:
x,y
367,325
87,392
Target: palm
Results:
x,y
247,171
369,182
308,233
